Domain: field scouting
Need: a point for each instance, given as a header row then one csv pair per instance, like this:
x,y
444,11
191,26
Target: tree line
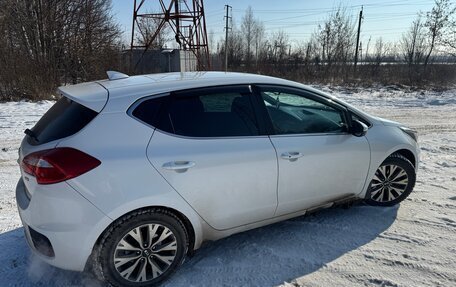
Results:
x,y
48,43
424,55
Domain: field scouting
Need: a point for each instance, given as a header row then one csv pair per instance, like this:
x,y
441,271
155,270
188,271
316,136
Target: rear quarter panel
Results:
x,y
125,180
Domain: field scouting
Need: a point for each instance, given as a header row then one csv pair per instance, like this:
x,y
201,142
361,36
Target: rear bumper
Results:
x,y
60,225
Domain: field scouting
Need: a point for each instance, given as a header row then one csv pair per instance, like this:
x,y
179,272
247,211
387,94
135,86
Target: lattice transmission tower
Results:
x,y
187,21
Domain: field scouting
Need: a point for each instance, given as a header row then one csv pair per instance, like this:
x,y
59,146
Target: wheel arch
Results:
x,y
377,158
187,223
185,220
405,156
408,154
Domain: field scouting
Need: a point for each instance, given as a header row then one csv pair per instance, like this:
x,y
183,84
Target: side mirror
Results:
x,y
358,129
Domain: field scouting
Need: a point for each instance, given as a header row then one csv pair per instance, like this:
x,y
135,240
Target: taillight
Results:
x,y
59,164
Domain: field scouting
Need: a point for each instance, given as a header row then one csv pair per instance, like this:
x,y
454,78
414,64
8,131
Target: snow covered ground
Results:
x,y
413,244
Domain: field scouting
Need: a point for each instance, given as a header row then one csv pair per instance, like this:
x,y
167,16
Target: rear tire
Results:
x,y
142,248
392,183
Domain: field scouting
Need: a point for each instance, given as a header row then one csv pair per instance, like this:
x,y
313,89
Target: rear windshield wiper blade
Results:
x,y
31,134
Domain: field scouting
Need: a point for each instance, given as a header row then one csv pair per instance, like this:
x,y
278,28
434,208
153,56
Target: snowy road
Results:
x,y
413,244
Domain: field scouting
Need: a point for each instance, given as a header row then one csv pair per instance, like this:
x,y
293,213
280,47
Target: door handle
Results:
x,y
291,155
178,166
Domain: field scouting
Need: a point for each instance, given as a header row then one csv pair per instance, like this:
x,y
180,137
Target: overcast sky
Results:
x,y
387,19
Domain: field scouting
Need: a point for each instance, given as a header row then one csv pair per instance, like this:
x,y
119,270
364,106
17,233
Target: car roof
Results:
x,y
127,89
122,92
188,80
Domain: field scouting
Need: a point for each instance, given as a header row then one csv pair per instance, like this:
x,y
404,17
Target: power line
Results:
x,y
283,24
215,14
352,7
286,23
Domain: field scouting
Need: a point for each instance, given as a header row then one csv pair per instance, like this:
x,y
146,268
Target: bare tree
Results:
x,y
336,38
147,27
253,32
99,39
414,43
367,56
436,21
449,34
259,36
380,51
236,49
449,40
211,41
48,42
281,45
247,28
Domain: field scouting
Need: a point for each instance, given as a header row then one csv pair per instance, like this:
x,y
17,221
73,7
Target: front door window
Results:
x,y
296,114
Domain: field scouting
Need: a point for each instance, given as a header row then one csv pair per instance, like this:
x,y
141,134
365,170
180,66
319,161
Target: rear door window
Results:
x,y
216,112
64,118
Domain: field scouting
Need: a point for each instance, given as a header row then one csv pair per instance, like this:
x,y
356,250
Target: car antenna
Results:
x,y
114,75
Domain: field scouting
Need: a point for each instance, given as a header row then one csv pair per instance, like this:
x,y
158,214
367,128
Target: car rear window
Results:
x,y
64,118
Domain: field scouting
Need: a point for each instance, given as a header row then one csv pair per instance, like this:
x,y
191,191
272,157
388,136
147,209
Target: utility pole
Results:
x,y
227,18
357,37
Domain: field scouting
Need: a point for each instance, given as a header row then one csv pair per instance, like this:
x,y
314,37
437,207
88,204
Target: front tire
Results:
x,y
142,248
392,183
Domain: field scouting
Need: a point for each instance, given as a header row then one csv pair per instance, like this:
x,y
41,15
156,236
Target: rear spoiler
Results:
x,y
91,95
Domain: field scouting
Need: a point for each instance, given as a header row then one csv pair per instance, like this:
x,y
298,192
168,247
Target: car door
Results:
x,y
318,159
212,149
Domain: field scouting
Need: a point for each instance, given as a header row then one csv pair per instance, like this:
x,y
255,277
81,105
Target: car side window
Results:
x,y
148,110
198,114
297,114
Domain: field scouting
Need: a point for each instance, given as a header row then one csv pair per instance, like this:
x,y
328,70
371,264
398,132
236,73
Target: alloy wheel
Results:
x,y
389,182
145,252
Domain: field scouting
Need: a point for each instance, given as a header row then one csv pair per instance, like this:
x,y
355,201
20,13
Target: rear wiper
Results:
x,y
31,134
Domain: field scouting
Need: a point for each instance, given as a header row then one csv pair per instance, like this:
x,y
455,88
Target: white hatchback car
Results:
x,y
129,175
